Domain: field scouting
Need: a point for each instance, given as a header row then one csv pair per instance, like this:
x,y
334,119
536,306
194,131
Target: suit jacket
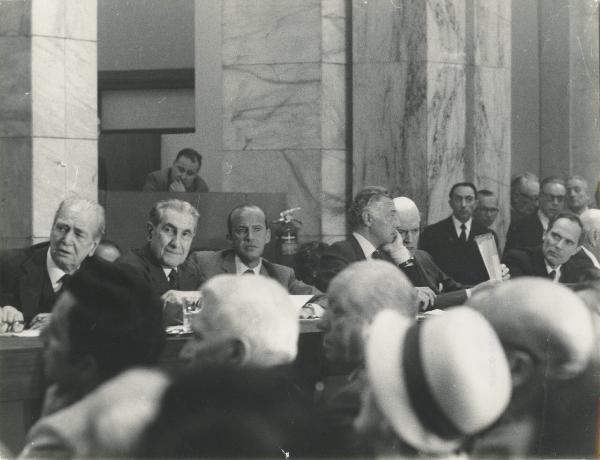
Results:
x,y
212,263
144,262
159,181
526,232
530,262
24,280
461,261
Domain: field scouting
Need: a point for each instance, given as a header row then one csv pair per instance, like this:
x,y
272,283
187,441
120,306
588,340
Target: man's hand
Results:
x,y
397,250
505,272
177,186
40,320
311,311
11,319
425,298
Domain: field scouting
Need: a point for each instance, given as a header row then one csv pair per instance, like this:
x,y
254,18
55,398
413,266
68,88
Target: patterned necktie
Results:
x,y
463,233
174,280
552,274
63,279
249,272
376,254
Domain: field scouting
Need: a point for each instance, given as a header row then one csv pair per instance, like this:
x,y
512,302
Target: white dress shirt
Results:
x,y
457,224
54,272
241,267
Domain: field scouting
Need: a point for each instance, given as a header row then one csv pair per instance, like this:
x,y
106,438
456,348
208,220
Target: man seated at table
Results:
x,y
181,177
248,231
355,296
162,260
30,278
420,267
106,319
558,257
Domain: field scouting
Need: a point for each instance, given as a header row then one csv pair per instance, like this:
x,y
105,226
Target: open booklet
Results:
x,y
489,253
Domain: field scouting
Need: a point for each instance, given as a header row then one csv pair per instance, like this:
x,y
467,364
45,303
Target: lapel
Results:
x,y
420,266
451,231
32,282
360,255
228,262
156,272
538,263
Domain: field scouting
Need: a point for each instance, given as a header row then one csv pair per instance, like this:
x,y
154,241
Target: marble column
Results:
x,y
569,91
284,72
431,98
48,113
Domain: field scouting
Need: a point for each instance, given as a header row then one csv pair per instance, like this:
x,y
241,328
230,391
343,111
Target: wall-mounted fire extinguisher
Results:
x,y
287,236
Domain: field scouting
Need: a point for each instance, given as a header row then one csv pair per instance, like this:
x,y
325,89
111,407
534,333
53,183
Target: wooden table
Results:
x,y
22,382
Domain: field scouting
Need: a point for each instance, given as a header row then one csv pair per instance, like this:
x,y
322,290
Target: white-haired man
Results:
x,y
244,321
591,235
31,278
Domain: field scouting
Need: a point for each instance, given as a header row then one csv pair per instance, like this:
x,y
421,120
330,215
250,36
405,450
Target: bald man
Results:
x,y
547,334
591,235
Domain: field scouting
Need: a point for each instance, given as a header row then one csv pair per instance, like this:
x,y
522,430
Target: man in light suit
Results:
x,y
31,278
451,242
248,232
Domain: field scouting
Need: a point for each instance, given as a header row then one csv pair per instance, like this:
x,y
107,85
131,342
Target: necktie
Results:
x,y
376,254
463,233
63,279
552,274
174,280
249,272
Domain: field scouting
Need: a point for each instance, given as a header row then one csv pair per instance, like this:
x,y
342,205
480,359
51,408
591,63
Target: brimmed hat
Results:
x,y
438,381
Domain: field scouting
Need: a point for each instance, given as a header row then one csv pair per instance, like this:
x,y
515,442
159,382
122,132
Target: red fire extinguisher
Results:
x,y
287,235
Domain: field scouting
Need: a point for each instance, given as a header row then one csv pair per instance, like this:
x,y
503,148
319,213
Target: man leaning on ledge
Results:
x,y
31,278
183,176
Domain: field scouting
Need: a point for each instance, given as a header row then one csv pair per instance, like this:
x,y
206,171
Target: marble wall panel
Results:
x,y
294,172
81,93
15,86
271,107
48,86
61,168
445,135
334,173
334,87
81,19
15,18
334,41
15,188
271,31
446,31
388,31
48,18
492,29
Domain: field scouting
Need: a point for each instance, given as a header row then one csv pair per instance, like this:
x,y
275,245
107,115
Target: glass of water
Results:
x,y
190,307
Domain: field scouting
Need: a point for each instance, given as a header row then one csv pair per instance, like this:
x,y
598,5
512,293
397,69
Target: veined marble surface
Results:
x,y
271,107
388,31
446,31
81,89
271,31
334,83
15,86
333,31
81,21
294,172
334,165
48,18
492,29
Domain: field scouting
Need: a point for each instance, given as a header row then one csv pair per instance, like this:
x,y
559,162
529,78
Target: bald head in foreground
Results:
x,y
546,331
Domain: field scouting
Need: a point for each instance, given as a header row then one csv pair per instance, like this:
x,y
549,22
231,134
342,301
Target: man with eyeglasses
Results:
x,y
557,258
528,231
486,210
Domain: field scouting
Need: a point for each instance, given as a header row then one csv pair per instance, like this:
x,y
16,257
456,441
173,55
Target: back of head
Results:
x,y
233,412
117,318
369,286
544,319
256,310
436,382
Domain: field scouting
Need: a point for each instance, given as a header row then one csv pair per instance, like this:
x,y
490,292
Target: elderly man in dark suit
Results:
x,y
181,177
30,278
528,231
451,242
372,218
558,258
162,261
248,232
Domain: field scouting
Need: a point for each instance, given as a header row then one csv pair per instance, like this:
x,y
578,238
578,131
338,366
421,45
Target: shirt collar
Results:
x,y
591,256
556,269
168,271
241,267
543,219
457,223
367,247
55,273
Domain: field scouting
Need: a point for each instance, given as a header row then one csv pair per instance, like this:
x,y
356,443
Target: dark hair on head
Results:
x,y
117,318
227,412
569,216
239,208
551,180
485,192
307,261
191,155
462,184
363,199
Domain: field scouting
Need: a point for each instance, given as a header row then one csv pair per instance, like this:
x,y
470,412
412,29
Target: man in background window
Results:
x,y
181,177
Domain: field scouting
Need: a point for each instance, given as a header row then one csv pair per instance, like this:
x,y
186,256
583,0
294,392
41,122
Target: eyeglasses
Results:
x,y
557,198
